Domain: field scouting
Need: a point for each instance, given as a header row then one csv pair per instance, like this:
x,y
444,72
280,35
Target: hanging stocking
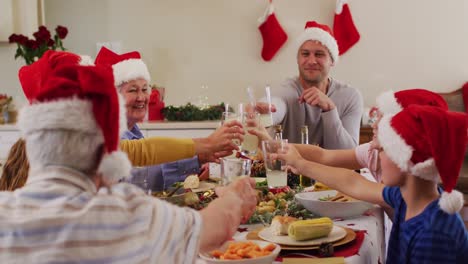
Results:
x,y
345,31
273,34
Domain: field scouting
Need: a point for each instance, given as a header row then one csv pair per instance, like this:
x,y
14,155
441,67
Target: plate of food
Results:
x,y
310,232
332,204
193,183
243,252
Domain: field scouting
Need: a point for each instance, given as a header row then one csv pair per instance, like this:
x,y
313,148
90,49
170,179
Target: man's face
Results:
x,y
314,62
136,95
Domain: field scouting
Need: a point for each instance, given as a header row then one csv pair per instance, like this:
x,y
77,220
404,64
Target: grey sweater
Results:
x,y
335,129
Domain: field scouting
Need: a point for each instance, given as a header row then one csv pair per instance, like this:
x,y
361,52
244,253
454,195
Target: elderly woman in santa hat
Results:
x,y
71,209
421,146
132,79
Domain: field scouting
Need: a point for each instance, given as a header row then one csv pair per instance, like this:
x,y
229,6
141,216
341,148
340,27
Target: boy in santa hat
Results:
x,y
71,209
421,146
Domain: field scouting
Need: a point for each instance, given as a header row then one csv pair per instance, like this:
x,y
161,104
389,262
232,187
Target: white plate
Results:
x,y
204,186
336,234
268,259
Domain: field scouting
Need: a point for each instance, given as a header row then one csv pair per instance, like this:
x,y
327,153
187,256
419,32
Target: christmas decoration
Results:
x,y
345,31
33,49
273,34
190,112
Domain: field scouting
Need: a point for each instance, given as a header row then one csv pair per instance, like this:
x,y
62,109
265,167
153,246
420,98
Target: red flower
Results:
x,y
33,49
42,35
13,38
61,31
32,44
22,39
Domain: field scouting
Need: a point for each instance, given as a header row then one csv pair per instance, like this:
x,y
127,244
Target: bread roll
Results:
x,y
280,224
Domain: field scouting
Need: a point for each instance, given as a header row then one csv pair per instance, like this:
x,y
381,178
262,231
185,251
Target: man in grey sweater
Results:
x,y
332,110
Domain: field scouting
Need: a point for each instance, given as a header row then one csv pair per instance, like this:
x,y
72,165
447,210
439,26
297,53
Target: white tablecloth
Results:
x,y
373,246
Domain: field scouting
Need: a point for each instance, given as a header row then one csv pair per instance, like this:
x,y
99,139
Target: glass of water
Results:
x,y
275,168
232,168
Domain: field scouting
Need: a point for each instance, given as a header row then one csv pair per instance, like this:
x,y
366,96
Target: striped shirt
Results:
x,y
433,236
60,217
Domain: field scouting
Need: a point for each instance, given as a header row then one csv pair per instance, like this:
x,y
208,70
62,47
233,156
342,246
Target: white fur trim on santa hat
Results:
x,y
130,69
86,60
394,146
68,114
122,115
115,166
426,170
387,103
451,202
321,36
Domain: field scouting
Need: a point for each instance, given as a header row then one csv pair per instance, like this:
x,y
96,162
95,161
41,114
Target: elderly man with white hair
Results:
x,y
71,209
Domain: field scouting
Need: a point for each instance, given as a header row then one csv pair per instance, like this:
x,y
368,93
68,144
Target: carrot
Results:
x,y
240,250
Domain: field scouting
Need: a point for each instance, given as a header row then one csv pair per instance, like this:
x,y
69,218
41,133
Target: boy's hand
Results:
x,y
291,156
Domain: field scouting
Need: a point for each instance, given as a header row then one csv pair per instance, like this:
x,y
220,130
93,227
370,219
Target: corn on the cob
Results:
x,y
310,229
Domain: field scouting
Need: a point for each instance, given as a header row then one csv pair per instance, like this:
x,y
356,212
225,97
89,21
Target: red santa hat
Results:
x,y
65,95
428,142
393,102
127,67
321,33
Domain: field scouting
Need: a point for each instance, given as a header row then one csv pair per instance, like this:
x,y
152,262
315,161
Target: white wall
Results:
x,y
404,44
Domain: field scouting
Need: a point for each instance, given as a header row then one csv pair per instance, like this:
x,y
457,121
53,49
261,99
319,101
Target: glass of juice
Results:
x,y
275,168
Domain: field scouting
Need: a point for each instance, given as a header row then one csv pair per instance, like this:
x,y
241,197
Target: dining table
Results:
x,y
372,229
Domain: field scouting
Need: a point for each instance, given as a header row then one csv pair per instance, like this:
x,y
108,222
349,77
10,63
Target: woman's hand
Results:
x,y
261,133
221,140
244,187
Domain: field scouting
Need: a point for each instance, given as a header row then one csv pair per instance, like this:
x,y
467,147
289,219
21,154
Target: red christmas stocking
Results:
x,y
345,31
273,34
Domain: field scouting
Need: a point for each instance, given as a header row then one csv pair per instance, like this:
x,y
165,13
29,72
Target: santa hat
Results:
x,y
393,102
321,33
65,95
127,67
428,142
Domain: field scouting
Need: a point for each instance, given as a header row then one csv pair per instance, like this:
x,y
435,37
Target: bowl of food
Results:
x,y
332,204
243,252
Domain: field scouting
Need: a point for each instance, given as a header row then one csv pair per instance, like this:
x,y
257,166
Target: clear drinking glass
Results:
x,y
232,168
249,121
266,119
230,116
275,168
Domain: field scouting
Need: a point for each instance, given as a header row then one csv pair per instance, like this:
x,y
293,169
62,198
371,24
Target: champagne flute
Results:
x,y
249,120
